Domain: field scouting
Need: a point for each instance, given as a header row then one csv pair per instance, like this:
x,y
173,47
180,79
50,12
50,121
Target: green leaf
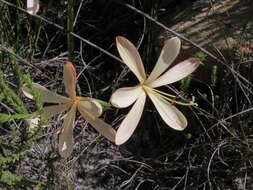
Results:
x,y
9,178
7,117
202,56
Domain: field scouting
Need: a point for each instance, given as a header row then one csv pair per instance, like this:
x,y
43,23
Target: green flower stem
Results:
x,y
104,104
70,29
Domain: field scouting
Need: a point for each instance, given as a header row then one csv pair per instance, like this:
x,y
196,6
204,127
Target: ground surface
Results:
x,y
213,26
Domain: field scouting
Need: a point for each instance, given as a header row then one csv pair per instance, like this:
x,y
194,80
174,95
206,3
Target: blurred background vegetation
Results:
x,y
214,152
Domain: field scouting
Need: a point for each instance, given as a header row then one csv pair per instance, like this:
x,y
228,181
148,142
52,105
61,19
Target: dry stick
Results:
x,y
227,118
63,29
182,37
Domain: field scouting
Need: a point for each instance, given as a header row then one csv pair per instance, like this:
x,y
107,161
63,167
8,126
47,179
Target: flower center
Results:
x,y
80,98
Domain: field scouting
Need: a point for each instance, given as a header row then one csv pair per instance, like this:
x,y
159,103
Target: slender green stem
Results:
x,y
70,30
18,25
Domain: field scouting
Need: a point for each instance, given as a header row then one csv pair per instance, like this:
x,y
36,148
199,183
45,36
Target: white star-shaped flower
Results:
x,y
89,108
124,97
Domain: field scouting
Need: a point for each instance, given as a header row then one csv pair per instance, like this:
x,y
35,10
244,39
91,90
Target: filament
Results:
x,y
168,97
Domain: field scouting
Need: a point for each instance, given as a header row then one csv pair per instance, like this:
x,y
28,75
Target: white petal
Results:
x,y
176,73
92,107
66,136
32,124
33,6
46,95
169,113
131,121
50,111
124,97
131,57
168,54
102,127
69,79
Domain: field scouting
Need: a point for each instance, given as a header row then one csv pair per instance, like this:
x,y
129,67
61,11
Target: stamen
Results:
x,y
163,93
193,101
166,96
174,101
160,92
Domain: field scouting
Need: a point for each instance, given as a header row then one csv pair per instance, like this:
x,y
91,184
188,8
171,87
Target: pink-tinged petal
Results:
x,y
46,95
51,111
103,128
66,141
168,54
131,57
92,106
176,73
32,6
169,113
124,97
69,79
131,121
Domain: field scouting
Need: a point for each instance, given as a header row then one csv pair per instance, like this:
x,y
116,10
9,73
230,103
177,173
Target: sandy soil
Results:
x,y
213,25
